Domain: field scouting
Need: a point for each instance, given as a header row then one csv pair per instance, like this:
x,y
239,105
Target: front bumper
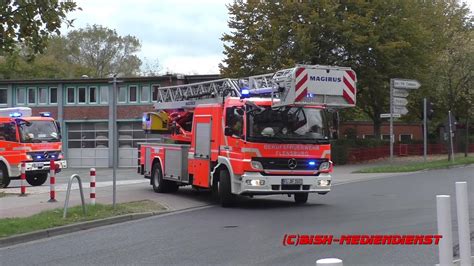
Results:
x,y
43,166
273,184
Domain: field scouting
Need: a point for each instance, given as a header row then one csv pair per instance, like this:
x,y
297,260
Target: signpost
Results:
x,y
398,93
114,138
390,115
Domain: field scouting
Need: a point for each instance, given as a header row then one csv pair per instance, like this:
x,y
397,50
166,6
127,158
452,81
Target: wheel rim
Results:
x,y
156,180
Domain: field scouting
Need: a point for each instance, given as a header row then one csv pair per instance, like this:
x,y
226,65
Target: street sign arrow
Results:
x,y
388,115
400,101
407,84
400,93
400,110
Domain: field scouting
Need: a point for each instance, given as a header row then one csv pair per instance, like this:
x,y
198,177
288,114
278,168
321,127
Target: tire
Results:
x,y
159,184
227,199
157,179
301,198
36,179
4,178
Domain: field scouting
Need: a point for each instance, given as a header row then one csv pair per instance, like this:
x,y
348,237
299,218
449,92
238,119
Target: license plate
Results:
x,y
38,165
292,181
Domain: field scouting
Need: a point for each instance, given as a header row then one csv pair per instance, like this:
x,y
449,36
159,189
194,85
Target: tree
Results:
x,y
104,51
378,39
31,23
52,63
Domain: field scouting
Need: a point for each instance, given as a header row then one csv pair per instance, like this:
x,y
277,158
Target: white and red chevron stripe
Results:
x,y
349,92
301,81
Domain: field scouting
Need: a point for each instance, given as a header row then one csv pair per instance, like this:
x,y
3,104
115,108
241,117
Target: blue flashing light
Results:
x,y
311,163
52,156
45,114
38,156
15,114
245,92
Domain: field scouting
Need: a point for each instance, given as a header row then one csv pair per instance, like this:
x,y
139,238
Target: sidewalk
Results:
x,y
130,188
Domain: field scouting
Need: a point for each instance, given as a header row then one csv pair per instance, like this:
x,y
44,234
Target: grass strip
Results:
x,y
411,167
54,218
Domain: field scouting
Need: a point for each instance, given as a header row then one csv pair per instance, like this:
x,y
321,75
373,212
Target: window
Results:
x,y
104,94
132,94
8,132
122,95
368,136
53,95
234,121
145,94
31,95
92,95
43,95
405,137
155,93
385,137
71,95
82,95
3,96
20,96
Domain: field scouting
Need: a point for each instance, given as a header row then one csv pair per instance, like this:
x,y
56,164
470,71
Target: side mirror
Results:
x,y
228,131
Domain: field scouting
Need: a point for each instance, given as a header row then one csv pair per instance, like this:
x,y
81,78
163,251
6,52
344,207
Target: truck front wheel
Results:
x,y
4,178
301,198
36,179
226,197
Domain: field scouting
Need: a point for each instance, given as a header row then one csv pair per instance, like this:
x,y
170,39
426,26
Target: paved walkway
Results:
x,y
131,187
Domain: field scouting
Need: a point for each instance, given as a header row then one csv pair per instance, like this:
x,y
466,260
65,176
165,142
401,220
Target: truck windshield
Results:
x,y
288,124
38,131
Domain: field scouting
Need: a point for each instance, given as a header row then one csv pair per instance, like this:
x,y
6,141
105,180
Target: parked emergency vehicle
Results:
x,y
35,140
260,135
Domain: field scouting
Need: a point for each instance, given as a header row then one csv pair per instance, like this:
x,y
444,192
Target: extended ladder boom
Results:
x,y
298,86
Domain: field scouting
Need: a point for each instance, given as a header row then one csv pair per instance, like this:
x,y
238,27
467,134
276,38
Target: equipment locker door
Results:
x,y
201,157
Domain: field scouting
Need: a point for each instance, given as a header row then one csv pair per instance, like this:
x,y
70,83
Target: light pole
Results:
x,y
114,138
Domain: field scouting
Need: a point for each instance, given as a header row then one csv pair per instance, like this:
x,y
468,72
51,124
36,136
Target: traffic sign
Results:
x,y
407,84
400,101
400,93
400,110
388,115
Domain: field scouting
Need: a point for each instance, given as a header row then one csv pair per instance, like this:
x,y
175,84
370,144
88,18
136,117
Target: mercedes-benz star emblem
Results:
x,y
292,163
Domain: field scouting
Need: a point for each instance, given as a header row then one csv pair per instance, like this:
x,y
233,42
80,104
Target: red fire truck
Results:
x,y
35,140
260,135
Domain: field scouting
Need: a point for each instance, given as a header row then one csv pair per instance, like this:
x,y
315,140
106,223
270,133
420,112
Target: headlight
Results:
x,y
29,157
324,183
256,165
324,166
60,155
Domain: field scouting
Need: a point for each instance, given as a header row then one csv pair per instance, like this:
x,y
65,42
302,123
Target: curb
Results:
x,y
36,235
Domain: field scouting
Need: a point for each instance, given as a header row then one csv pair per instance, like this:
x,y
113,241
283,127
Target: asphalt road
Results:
x,y
252,233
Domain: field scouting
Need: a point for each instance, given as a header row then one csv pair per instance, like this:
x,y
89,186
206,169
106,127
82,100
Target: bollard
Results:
x,y
463,223
52,181
329,262
443,210
23,180
92,195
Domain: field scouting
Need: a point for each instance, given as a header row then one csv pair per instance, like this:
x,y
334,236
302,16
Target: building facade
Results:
x,y
403,132
83,107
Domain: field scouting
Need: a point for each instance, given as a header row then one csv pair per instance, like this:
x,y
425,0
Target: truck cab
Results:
x,y
34,140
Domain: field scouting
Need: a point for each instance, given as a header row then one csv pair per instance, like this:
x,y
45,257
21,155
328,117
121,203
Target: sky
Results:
x,y
182,35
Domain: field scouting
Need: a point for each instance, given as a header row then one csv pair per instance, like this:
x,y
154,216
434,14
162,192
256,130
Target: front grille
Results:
x,y
283,163
44,156
290,187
